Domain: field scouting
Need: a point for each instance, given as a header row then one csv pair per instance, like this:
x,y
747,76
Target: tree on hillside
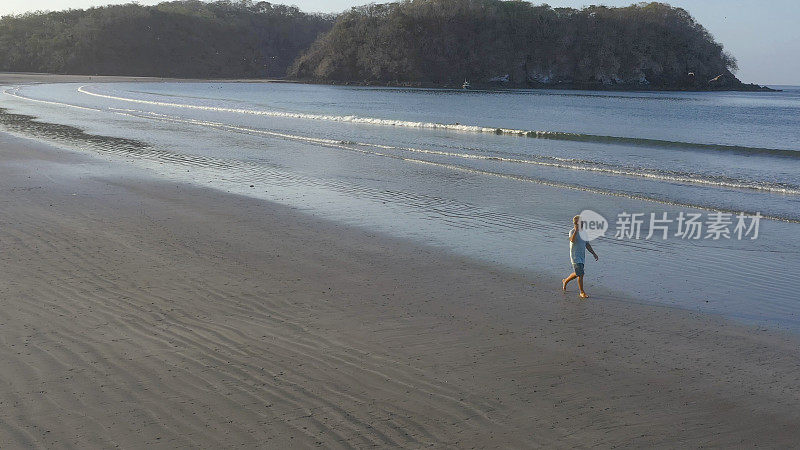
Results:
x,y
445,41
179,38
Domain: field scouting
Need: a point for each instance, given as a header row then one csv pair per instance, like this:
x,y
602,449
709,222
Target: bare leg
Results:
x,y
566,281
580,288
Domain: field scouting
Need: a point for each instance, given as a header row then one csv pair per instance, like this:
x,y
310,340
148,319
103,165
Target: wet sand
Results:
x,y
136,312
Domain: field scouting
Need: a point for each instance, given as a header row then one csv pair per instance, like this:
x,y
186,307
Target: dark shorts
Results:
x,y
578,269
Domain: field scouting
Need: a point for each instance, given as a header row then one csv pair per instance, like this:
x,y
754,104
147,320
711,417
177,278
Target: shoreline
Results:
x,y
492,86
25,77
142,311
773,319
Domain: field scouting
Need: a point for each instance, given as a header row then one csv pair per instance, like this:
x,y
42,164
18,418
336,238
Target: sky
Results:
x,y
764,36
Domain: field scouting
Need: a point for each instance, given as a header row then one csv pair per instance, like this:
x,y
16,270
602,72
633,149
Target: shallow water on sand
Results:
x,y
492,175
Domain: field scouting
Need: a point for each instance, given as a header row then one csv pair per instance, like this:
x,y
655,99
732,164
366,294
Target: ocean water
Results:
x,y
493,175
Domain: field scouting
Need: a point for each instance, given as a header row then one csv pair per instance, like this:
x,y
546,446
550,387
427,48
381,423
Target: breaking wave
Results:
x,y
536,134
546,161
537,160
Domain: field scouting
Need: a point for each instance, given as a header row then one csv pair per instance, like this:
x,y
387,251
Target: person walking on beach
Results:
x,y
577,255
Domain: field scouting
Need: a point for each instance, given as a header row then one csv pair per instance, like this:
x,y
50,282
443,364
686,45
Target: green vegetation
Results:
x,y
513,42
175,39
414,42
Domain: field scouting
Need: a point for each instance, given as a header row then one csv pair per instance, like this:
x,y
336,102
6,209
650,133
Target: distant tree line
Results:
x,y
518,43
424,42
175,39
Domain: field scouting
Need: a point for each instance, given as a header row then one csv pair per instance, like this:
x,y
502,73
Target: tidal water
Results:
x,y
493,175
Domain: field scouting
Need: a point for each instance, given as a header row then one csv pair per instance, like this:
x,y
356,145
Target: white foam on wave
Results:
x,y
354,146
334,118
564,163
14,92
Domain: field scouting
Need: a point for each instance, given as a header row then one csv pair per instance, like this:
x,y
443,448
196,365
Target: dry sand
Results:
x,y
138,313
7,78
24,78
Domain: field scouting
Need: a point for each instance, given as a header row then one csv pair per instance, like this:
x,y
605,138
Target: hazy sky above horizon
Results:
x,y
763,36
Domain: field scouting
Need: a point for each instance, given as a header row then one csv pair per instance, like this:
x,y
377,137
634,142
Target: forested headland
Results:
x,y
646,45
190,39
411,42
